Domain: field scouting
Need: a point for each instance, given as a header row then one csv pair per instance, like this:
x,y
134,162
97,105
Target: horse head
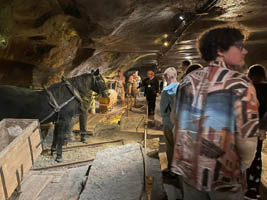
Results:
x,y
99,85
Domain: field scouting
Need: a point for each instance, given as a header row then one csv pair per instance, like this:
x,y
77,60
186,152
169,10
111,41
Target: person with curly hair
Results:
x,y
216,119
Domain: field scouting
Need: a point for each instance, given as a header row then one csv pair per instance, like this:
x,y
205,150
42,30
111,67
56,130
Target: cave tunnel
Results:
x,y
113,146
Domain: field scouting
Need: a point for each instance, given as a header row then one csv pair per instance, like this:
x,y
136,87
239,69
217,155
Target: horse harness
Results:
x,y
53,103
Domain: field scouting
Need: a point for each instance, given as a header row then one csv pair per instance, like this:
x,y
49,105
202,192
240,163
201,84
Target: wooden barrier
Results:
x,y
18,153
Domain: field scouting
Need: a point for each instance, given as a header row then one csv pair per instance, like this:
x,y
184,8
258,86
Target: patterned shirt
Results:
x,y
214,107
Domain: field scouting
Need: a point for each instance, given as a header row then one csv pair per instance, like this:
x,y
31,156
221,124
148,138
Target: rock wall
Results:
x,y
69,37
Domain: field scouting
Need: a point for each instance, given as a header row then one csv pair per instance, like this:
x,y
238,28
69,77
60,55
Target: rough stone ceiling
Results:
x,y
251,13
42,40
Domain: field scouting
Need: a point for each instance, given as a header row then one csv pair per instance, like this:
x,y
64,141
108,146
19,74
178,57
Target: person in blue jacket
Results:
x,y
166,104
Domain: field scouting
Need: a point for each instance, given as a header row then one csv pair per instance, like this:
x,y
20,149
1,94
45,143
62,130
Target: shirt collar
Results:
x,y
218,63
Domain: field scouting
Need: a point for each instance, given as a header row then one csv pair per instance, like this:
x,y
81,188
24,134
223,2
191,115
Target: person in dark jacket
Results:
x,y
151,85
192,68
258,76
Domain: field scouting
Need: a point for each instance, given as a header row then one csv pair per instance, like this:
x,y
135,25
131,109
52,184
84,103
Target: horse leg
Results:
x,y
55,139
83,124
68,135
64,127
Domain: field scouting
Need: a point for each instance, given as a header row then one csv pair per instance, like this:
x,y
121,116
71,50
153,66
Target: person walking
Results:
x,y
151,85
192,68
120,78
257,75
129,92
136,81
216,119
166,105
182,70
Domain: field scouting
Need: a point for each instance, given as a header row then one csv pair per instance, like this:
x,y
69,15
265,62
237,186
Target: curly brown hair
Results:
x,y
219,37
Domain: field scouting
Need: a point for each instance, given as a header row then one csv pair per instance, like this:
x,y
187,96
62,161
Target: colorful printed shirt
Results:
x,y
216,110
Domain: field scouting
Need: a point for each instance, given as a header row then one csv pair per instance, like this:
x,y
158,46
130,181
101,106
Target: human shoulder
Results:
x,y
239,84
226,77
239,78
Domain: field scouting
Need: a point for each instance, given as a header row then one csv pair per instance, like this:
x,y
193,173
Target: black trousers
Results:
x,y
151,101
254,172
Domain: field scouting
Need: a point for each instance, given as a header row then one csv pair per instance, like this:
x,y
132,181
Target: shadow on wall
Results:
x,y
15,73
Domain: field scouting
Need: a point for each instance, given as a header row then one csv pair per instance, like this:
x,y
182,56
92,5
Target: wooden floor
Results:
x,y
63,184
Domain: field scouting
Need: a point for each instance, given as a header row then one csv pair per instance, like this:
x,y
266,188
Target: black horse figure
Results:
x,y
58,104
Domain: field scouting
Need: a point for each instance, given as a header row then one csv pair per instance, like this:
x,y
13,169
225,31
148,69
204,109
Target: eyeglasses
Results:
x,y
239,45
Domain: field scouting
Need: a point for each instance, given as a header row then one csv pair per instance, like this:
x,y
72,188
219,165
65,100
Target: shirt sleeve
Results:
x,y
246,112
157,85
247,123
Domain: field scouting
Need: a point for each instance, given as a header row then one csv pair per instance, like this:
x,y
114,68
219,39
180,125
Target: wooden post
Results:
x,y
148,179
127,106
146,112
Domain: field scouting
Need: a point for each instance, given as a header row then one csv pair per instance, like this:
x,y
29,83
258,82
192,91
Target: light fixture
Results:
x,y
181,17
165,35
3,42
166,44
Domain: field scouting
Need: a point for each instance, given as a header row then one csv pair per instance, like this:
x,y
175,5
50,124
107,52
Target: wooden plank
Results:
x,y
92,122
68,188
154,132
35,182
132,123
16,159
34,185
163,161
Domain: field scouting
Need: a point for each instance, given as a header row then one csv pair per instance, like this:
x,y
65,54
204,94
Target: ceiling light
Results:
x,y
166,44
165,35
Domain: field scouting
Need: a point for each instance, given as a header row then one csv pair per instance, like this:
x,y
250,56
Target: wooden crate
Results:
x,y
19,149
105,104
104,108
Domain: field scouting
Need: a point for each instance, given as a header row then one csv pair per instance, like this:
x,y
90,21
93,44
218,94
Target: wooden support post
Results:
x,y
127,106
148,179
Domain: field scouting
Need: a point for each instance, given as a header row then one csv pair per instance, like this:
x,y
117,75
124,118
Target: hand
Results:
x,y
262,134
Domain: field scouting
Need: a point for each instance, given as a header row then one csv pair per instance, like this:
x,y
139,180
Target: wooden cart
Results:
x,y
19,148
